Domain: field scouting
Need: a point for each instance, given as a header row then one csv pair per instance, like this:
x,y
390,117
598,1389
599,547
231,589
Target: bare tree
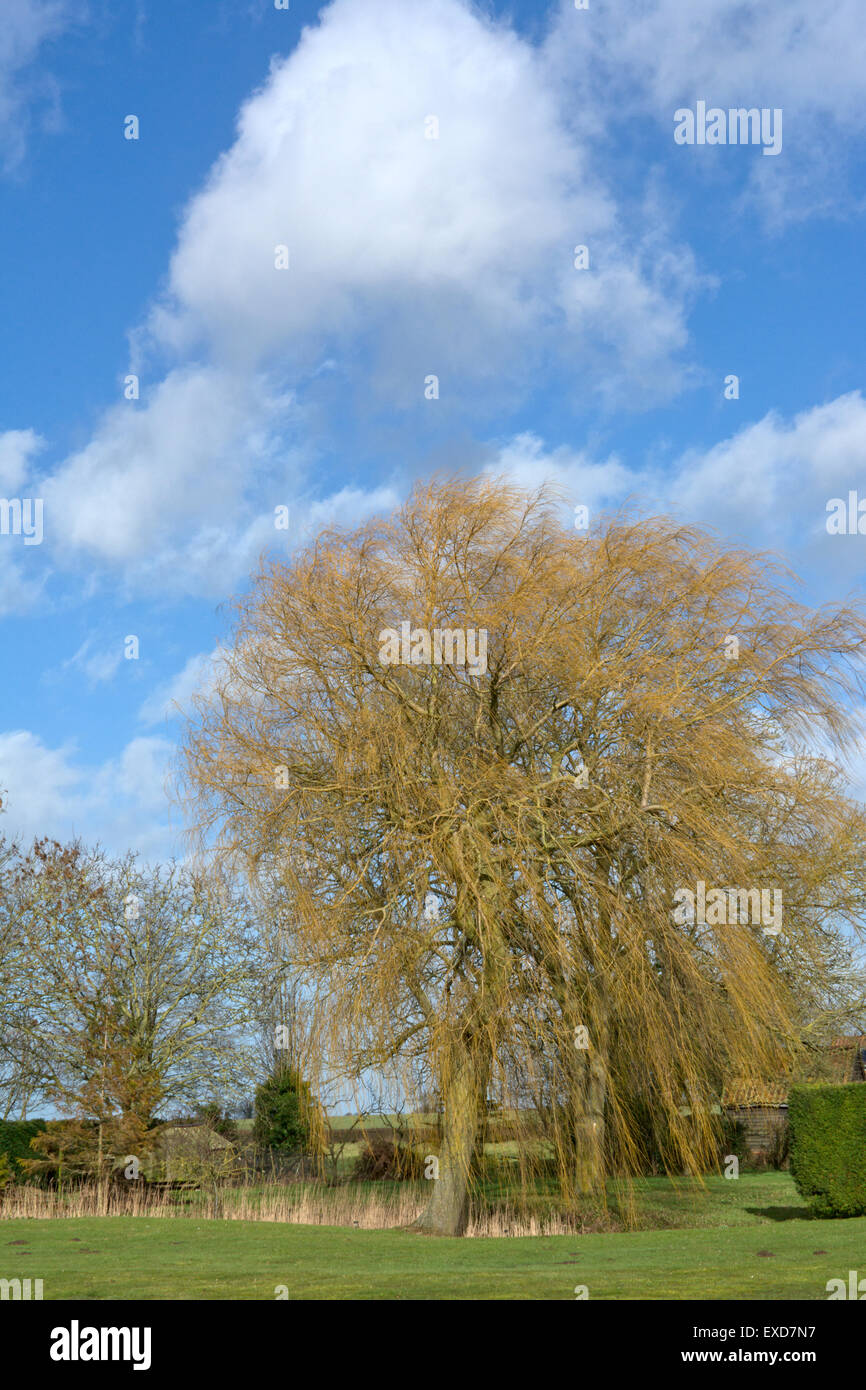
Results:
x,y
132,982
20,1068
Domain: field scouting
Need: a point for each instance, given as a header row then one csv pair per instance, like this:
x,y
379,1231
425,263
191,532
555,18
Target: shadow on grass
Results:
x,y
783,1213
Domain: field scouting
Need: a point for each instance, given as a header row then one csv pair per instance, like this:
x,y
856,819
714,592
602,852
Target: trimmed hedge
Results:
x,y
828,1147
15,1136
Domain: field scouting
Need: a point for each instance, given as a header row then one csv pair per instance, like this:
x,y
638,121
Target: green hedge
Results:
x,y
828,1147
15,1136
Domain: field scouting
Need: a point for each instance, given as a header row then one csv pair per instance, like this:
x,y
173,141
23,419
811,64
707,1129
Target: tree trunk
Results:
x,y
447,1211
467,1071
589,1126
592,1093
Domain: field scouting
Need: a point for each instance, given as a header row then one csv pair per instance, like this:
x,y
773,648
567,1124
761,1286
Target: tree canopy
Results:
x,y
482,867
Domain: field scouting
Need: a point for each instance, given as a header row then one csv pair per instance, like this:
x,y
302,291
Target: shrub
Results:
x,y
218,1120
286,1114
62,1150
734,1140
648,1156
74,1150
828,1147
15,1136
382,1157
193,1153
780,1147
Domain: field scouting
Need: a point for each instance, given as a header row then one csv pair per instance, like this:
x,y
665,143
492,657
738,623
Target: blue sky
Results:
x,y
408,256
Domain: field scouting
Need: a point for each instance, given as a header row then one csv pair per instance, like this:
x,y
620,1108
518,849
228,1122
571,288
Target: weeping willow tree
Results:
x,y
486,840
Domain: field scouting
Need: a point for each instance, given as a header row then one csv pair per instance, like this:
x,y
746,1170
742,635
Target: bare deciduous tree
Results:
x,y
132,983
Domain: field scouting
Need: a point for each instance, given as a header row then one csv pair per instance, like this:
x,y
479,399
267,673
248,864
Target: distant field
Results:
x,y
152,1258
380,1121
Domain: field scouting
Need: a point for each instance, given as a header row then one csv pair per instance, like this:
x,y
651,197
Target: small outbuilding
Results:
x,y
762,1105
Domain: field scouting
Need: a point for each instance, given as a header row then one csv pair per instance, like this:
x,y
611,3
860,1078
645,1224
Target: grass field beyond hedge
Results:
x,y
751,1238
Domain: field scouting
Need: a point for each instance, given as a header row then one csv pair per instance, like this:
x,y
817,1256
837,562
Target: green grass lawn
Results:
x,y
158,1258
747,1239
661,1203
752,1199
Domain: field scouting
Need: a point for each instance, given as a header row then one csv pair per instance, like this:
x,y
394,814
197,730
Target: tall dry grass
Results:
x,y
304,1204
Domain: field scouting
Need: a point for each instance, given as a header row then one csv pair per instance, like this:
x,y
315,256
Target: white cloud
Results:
x,y
22,569
161,470
331,159
596,485
350,507
171,490
17,449
99,663
408,257
806,55
19,588
36,782
462,243
172,698
770,483
641,59
25,25
122,804
766,487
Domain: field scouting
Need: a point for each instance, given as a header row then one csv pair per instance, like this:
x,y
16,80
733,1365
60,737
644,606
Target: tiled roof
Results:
x,y
846,1057
746,1090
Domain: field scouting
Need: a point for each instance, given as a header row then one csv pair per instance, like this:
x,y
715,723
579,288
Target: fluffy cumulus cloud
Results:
x,y
527,462
122,803
408,256
460,232
768,486
174,467
771,482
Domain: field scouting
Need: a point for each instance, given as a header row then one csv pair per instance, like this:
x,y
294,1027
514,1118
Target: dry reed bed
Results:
x,y
304,1205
